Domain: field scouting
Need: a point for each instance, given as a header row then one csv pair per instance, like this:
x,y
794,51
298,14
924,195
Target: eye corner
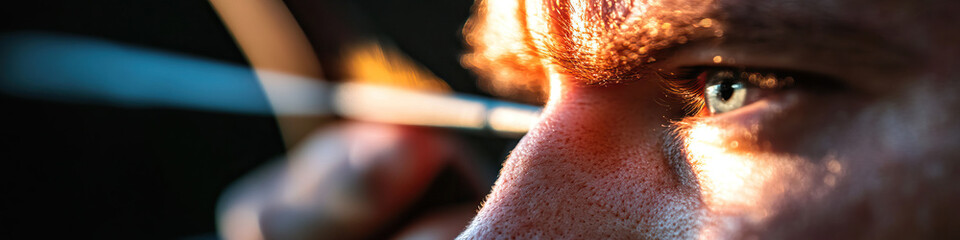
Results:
x,y
684,85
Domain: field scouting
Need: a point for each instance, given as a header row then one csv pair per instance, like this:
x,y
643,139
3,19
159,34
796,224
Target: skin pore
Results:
x,y
862,146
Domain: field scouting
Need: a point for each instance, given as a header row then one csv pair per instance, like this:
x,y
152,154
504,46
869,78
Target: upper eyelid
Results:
x,y
690,71
876,76
807,77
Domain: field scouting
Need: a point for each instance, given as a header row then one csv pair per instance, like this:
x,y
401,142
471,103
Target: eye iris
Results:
x,y
725,91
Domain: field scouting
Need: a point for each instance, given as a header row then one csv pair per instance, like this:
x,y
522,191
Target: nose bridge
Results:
x,y
593,167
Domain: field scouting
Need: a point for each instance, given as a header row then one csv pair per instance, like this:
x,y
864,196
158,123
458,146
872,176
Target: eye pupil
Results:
x,y
726,89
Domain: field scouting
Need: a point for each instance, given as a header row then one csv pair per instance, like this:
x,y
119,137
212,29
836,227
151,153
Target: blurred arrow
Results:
x,y
80,70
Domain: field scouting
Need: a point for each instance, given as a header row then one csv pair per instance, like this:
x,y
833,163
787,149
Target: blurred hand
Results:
x,y
343,182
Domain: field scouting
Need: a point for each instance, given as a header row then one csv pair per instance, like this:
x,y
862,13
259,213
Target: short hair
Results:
x,y
513,42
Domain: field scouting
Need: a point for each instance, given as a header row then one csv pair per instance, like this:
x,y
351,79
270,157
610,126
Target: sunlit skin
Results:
x,y
868,152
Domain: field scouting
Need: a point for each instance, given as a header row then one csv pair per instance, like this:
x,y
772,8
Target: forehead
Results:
x,y
902,33
891,19
880,11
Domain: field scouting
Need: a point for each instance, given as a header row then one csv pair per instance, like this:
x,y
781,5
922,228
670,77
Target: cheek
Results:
x,y
737,181
592,167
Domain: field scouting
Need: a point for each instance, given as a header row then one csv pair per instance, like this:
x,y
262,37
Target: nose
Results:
x,y
593,167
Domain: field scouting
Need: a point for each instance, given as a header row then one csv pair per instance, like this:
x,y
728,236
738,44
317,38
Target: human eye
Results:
x,y
714,91
729,90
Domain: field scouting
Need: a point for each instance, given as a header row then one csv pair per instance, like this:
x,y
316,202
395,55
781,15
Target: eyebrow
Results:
x,y
773,24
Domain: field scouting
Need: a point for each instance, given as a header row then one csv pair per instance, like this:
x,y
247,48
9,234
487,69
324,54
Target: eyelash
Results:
x,y
686,85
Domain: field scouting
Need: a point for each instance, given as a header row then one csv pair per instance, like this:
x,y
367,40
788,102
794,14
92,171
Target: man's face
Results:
x,y
811,119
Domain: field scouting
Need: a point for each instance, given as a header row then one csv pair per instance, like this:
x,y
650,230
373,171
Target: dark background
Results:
x,y
109,172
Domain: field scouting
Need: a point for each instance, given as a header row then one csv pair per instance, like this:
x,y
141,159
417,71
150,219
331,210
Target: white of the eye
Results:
x,y
717,105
